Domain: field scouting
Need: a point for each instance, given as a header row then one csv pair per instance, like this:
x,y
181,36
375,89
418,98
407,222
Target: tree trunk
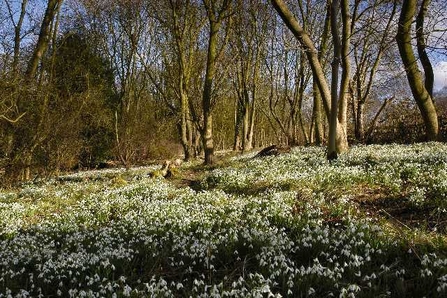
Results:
x,y
334,127
246,127
251,128
346,65
317,116
207,133
208,142
420,93
186,142
360,122
238,115
421,47
317,109
18,38
44,37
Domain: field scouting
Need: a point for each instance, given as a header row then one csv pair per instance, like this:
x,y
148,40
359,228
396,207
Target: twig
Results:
x,y
11,120
399,229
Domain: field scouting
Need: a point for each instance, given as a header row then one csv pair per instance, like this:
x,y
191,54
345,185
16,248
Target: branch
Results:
x,y
12,120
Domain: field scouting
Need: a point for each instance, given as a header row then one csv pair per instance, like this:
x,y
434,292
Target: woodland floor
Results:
x,y
371,224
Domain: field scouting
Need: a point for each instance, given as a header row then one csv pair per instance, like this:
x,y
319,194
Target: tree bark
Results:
x,y
346,65
216,16
317,109
44,37
238,115
421,47
334,127
360,122
420,93
185,140
17,35
317,113
207,130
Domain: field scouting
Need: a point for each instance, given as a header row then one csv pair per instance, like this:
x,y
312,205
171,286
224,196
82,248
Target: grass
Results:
x,y
371,224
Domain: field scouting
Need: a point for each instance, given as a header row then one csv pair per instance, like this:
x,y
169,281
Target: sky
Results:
x,y
440,70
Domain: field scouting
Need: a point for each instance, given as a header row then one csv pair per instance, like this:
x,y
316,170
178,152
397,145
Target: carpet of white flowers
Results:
x,y
285,226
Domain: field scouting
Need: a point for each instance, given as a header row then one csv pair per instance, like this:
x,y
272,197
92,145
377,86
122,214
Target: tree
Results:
x,y
249,46
289,77
126,33
421,91
26,137
218,12
84,83
181,22
341,143
333,123
317,113
376,21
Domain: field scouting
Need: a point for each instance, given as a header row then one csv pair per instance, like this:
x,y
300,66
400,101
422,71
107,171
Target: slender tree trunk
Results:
x,y
334,127
238,115
421,47
207,134
346,65
252,104
18,38
216,16
317,116
208,142
44,37
245,128
317,109
186,142
420,93
360,122
303,128
251,128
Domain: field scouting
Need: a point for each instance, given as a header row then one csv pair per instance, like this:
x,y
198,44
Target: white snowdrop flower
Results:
x,y
425,260
426,272
354,288
127,291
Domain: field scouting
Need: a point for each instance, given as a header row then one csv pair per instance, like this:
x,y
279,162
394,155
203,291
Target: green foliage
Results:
x,y
81,73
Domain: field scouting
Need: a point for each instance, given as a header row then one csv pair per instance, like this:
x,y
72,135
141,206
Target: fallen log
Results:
x,y
272,150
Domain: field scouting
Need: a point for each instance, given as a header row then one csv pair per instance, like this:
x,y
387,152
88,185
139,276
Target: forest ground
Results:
x,y
371,224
